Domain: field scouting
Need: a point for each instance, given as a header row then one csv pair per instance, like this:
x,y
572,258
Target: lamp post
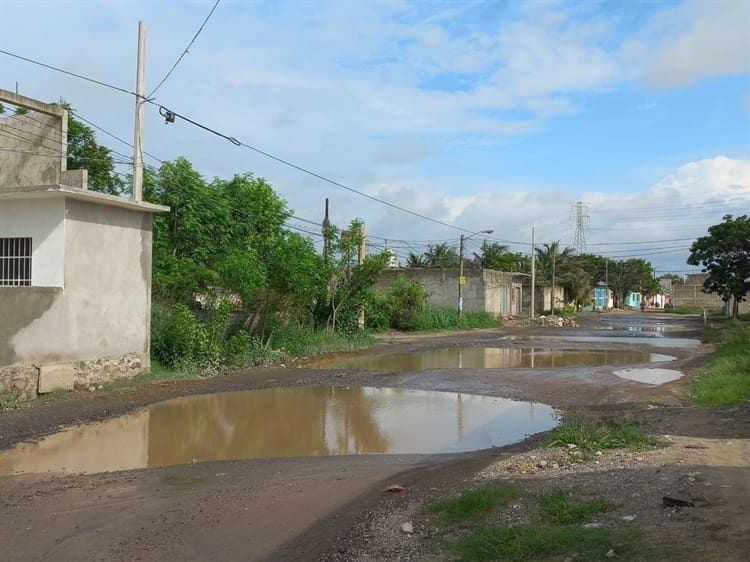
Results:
x,y
461,279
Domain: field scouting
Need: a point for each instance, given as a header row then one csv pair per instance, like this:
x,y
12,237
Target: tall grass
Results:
x,y
475,503
447,319
726,380
592,435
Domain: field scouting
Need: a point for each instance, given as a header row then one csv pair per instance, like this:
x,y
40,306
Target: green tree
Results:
x,y
85,153
725,255
629,275
559,268
441,256
416,260
352,282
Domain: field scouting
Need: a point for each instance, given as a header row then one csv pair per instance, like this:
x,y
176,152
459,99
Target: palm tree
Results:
x,y
442,256
490,255
558,268
416,260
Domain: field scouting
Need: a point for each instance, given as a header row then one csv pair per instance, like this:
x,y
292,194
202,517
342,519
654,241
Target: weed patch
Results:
x,y
559,508
475,503
535,542
447,319
592,435
726,381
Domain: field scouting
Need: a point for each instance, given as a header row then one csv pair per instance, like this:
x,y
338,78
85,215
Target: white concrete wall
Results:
x,y
42,220
104,309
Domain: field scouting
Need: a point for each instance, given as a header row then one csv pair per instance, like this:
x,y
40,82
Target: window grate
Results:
x,y
15,261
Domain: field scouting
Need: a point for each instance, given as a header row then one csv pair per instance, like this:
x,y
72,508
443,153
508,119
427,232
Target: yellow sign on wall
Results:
x,y
462,280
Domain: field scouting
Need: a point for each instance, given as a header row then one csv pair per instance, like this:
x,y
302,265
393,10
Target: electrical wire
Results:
x,y
185,52
69,73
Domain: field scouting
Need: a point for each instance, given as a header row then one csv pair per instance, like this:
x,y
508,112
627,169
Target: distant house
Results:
x,y
75,265
601,297
633,299
486,290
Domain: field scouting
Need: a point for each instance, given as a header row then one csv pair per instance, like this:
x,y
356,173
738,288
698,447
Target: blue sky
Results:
x,y
484,114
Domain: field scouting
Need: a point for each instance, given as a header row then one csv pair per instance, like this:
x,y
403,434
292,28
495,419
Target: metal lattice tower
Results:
x,y
581,218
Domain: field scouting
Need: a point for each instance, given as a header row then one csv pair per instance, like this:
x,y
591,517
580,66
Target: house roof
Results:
x,y
47,191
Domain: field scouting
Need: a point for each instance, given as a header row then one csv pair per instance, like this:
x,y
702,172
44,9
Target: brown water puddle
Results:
x,y
284,422
492,358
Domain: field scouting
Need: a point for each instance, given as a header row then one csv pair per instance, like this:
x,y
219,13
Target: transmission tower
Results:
x,y
581,217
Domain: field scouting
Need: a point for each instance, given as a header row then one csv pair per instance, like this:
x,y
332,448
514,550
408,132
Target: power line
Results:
x,y
69,73
165,112
114,136
185,52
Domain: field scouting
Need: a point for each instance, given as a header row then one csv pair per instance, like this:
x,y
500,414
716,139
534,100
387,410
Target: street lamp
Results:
x,y
461,279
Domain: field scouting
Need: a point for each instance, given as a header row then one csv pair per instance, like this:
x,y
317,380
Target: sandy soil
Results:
x,y
335,508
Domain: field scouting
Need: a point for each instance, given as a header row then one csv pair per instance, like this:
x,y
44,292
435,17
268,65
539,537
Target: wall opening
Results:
x,y
15,261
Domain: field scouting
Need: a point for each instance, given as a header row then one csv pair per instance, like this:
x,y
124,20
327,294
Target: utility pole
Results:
x,y
461,279
552,298
140,100
326,226
533,273
606,280
360,261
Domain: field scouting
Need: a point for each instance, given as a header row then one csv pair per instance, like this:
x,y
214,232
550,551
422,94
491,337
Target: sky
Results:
x,y
485,114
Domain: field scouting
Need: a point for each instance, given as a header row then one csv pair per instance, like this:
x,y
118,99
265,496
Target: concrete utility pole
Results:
x,y
461,278
326,226
140,100
360,261
552,299
533,274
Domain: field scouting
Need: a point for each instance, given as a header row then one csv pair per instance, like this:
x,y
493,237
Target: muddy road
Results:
x,y
305,508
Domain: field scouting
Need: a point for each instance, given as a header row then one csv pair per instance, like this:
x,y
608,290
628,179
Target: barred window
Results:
x,y
15,261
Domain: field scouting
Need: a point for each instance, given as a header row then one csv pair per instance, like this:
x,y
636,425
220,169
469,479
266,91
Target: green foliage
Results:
x,y
592,435
684,310
441,256
352,281
535,543
294,340
725,254
726,381
85,153
476,503
401,301
496,256
447,319
179,339
559,508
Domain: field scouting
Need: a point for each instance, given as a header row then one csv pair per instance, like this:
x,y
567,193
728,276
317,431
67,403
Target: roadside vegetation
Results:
x,y
555,529
590,435
726,379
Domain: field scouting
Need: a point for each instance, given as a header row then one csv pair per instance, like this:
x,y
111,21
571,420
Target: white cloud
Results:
x,y
695,40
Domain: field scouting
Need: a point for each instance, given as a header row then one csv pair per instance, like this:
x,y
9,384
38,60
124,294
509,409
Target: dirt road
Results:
x,y
334,507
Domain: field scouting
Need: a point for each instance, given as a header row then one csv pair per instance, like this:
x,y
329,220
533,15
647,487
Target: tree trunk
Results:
x,y
735,308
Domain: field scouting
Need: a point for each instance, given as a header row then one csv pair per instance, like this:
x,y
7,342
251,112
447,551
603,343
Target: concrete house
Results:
x,y
486,290
75,265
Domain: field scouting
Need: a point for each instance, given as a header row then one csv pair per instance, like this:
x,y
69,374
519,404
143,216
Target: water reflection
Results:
x,y
650,376
491,358
283,422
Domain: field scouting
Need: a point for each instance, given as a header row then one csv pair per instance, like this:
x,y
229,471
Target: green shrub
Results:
x,y
403,300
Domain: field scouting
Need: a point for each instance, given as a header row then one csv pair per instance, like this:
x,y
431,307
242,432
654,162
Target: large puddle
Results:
x,y
284,422
492,358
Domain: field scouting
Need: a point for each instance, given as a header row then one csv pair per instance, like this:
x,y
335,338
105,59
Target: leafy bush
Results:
x,y
178,338
402,300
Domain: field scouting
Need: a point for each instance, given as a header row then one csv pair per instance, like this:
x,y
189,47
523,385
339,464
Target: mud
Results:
x,y
314,507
